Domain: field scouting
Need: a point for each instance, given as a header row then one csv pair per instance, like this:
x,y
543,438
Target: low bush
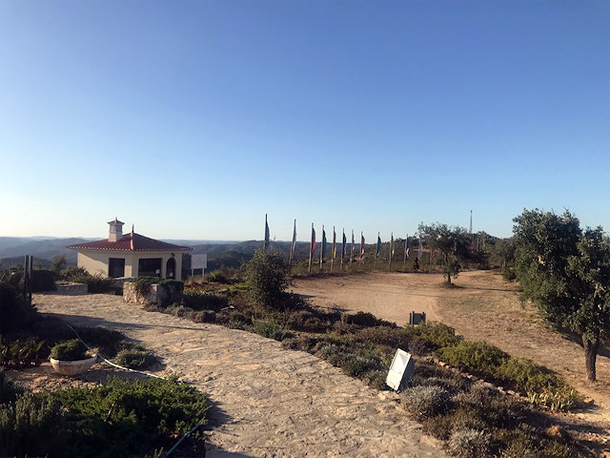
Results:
x,y
354,358
384,335
307,320
71,350
426,401
20,354
16,313
367,319
96,284
470,443
200,300
204,316
31,426
144,415
271,329
435,334
476,357
138,359
109,341
8,390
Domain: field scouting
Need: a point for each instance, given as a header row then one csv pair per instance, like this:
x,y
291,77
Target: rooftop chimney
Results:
x,y
116,230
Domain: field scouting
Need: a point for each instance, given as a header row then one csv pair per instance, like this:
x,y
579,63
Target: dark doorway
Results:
x,y
116,267
170,269
149,267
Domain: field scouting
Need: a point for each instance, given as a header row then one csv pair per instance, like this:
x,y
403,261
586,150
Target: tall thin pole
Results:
x,y
311,246
334,250
470,221
322,247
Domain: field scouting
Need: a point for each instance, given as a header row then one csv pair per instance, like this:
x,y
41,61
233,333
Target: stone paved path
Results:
x,y
267,402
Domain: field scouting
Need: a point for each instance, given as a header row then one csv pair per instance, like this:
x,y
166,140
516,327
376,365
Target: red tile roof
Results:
x,y
140,243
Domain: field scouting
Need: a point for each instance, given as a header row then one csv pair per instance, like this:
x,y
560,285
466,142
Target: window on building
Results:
x,y
116,267
149,267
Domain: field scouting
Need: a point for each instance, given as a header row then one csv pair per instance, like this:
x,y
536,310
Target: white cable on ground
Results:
x,y
111,363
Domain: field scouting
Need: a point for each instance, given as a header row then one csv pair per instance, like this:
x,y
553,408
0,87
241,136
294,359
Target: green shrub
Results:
x,y
20,354
204,316
144,415
31,426
271,329
8,390
109,341
217,276
135,359
97,284
71,350
384,335
543,386
72,273
201,300
16,313
435,334
307,320
426,401
470,443
267,278
354,358
475,357
367,319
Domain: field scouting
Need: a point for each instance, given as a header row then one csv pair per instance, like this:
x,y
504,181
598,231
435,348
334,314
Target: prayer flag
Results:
x,y
266,243
378,246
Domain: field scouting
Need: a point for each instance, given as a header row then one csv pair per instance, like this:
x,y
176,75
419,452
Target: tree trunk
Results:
x,y
448,278
591,347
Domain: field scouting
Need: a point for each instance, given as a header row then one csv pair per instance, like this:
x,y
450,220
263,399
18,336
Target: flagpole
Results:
x,y
311,246
322,247
404,261
332,259
294,241
391,249
342,248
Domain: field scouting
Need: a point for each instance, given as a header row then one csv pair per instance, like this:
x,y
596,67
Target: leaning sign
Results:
x,y
400,371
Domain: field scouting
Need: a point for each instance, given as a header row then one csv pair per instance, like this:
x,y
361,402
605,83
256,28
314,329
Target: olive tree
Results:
x,y
452,242
565,272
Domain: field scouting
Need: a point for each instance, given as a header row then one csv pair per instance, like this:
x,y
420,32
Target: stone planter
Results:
x,y
72,367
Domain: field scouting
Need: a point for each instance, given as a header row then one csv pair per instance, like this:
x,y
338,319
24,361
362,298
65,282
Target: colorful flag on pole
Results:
x,y
378,246
323,249
361,244
266,243
312,247
294,241
407,247
392,245
344,246
334,243
351,256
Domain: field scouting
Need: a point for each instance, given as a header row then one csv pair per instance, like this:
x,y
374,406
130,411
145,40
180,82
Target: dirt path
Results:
x,y
484,307
267,402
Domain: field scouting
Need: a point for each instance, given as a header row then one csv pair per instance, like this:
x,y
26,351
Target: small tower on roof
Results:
x,y
116,230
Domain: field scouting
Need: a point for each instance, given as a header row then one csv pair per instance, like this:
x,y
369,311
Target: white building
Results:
x,y
130,255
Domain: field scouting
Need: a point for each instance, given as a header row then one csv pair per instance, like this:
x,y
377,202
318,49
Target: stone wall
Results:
x,y
163,294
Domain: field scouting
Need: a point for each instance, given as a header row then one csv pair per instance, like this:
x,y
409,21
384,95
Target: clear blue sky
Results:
x,y
192,119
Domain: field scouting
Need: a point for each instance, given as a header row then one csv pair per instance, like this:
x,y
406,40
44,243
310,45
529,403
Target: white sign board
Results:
x,y
199,261
401,370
